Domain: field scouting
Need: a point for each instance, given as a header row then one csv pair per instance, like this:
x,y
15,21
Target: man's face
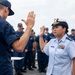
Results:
x,y
20,28
5,12
73,32
58,30
32,32
46,31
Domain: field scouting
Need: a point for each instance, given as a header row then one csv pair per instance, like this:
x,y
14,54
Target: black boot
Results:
x,y
22,70
18,72
30,68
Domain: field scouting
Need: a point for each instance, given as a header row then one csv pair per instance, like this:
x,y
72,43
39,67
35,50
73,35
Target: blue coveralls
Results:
x,y
49,36
40,56
19,63
72,37
29,54
7,37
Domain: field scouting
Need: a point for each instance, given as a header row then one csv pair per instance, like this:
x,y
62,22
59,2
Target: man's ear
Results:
x,y
6,9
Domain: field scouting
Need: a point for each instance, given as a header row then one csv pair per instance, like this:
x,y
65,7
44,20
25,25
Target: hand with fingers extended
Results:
x,y
42,29
30,21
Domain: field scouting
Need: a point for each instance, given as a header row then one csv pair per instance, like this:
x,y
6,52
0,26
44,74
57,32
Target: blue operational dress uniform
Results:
x,y
19,63
29,54
7,37
49,36
42,61
73,37
60,55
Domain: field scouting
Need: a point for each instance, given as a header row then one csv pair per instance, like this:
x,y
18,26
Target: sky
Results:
x,y
46,11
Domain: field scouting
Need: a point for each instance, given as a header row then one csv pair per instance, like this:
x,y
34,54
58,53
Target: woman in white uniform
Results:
x,y
61,50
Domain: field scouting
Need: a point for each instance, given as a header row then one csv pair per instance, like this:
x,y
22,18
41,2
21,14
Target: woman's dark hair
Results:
x,y
66,29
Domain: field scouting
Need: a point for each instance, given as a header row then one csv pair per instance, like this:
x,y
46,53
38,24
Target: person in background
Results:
x,y
8,37
72,35
18,64
41,57
48,35
33,50
61,50
29,54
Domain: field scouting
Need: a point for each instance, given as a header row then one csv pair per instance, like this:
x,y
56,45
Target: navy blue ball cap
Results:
x,y
20,25
7,4
72,29
58,22
46,28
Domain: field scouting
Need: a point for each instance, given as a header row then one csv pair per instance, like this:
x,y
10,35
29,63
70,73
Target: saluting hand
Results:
x,y
42,29
30,21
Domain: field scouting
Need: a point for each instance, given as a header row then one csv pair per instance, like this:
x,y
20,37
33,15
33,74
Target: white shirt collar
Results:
x,y
63,38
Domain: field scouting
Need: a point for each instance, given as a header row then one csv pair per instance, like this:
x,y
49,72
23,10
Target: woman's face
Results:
x,y
58,30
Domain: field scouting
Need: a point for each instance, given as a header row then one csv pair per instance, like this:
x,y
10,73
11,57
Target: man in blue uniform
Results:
x,y
61,50
48,35
9,39
41,57
29,54
72,35
33,50
19,63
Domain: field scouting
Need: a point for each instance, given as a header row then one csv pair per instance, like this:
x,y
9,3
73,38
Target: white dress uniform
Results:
x,y
60,55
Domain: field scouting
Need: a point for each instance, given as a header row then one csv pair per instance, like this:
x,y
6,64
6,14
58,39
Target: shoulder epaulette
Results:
x,y
68,38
